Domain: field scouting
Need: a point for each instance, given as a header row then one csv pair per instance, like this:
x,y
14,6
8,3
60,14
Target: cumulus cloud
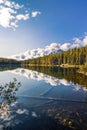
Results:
x,y
10,4
6,17
10,14
51,49
84,41
35,13
65,46
22,17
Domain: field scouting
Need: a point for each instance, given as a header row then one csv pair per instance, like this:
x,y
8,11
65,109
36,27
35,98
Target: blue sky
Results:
x,y
55,21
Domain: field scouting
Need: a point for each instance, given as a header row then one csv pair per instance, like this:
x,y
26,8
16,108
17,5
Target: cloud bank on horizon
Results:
x,y
10,14
51,49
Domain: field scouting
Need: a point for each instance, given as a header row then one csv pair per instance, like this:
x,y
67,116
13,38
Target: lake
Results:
x,y
48,99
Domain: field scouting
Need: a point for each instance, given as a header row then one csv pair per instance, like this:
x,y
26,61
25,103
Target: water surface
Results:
x,y
48,99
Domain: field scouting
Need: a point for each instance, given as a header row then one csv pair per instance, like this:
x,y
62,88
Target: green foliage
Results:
x,y
83,68
76,56
6,61
8,91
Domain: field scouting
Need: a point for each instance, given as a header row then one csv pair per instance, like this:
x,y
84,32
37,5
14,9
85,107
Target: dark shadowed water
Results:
x,y
48,99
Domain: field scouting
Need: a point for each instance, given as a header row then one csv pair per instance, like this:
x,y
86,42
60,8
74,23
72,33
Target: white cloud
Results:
x,y
6,17
77,40
84,41
65,46
35,13
22,17
51,49
1,1
10,14
12,4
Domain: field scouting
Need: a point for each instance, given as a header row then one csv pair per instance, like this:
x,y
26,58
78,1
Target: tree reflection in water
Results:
x,y
7,97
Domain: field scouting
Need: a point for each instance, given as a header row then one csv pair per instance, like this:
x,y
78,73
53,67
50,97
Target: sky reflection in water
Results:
x,y
27,108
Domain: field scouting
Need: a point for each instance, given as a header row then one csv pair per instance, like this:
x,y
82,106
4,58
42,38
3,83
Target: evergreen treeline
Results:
x,y
5,61
76,56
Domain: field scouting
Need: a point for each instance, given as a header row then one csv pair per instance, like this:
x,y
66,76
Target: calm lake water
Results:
x,y
48,99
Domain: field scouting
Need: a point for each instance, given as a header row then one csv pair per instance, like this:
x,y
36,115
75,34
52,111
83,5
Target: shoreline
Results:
x,y
62,65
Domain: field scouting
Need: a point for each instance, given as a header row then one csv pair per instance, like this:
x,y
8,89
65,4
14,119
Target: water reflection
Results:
x,y
53,81
43,112
40,77
70,74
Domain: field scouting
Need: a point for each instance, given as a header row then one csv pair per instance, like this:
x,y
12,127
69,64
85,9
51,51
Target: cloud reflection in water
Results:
x,y
29,74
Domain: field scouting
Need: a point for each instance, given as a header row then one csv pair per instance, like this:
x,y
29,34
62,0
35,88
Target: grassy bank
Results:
x,y
62,65
70,66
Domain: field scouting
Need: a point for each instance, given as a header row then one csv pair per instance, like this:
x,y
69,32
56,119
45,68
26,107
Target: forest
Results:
x,y
76,56
6,61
